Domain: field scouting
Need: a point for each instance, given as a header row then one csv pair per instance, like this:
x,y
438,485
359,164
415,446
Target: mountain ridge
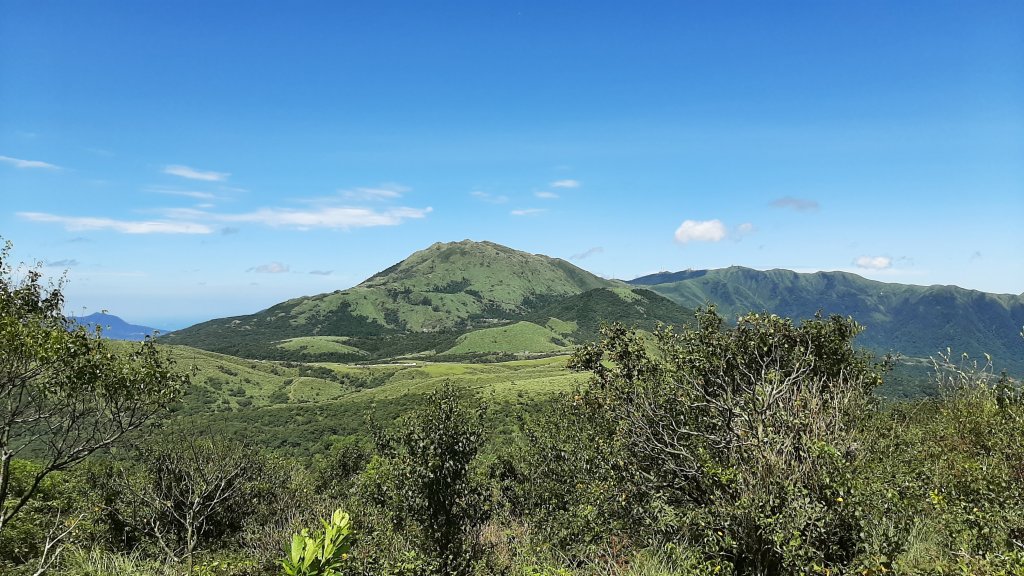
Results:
x,y
428,301
913,320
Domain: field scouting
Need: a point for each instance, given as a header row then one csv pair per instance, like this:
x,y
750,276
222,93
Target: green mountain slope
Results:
x,y
423,303
917,321
641,308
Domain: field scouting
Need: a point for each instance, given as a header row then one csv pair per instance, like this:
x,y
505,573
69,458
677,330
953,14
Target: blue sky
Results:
x,y
190,160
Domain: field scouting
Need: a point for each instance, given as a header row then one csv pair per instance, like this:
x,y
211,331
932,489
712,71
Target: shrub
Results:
x,y
422,483
735,442
321,553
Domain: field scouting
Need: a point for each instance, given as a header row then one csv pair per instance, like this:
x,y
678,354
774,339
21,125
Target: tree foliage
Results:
x,y
422,479
735,441
64,392
186,492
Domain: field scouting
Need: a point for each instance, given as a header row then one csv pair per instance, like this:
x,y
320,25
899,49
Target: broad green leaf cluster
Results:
x,y
321,553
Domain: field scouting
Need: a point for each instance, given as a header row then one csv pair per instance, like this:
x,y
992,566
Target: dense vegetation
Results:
x,y
755,447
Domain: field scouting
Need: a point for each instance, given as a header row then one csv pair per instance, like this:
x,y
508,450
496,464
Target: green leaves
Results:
x,y
323,553
64,391
422,479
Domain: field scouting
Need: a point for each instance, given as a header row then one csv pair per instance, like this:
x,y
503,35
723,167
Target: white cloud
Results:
x,y
193,174
326,217
546,195
745,228
123,226
382,192
487,197
272,268
199,220
873,262
700,231
566,184
19,163
321,272
528,211
793,203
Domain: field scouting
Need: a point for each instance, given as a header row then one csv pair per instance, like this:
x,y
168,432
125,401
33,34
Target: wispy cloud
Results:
x,y
873,262
528,211
382,192
202,219
193,174
271,268
587,253
546,195
322,272
186,193
19,163
700,231
488,197
326,217
67,263
76,223
745,228
566,184
793,203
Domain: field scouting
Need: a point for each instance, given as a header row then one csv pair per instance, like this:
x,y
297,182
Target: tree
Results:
x,y
188,492
65,392
738,441
423,478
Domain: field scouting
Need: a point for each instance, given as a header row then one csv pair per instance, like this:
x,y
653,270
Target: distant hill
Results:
x,y
115,328
916,321
433,302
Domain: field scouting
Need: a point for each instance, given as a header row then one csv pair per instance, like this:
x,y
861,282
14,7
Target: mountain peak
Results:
x,y
446,286
114,327
492,271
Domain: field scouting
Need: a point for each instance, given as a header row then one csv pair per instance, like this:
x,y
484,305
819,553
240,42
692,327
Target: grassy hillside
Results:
x,y
521,337
918,321
303,408
462,300
423,303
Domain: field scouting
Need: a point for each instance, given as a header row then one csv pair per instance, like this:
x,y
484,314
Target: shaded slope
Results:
x,y
639,308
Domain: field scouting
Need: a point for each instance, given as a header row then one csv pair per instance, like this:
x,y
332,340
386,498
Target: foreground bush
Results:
x,y
322,552
421,484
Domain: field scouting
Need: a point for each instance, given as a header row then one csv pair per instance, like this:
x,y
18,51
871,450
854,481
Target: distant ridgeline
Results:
x,y
916,321
115,328
483,301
